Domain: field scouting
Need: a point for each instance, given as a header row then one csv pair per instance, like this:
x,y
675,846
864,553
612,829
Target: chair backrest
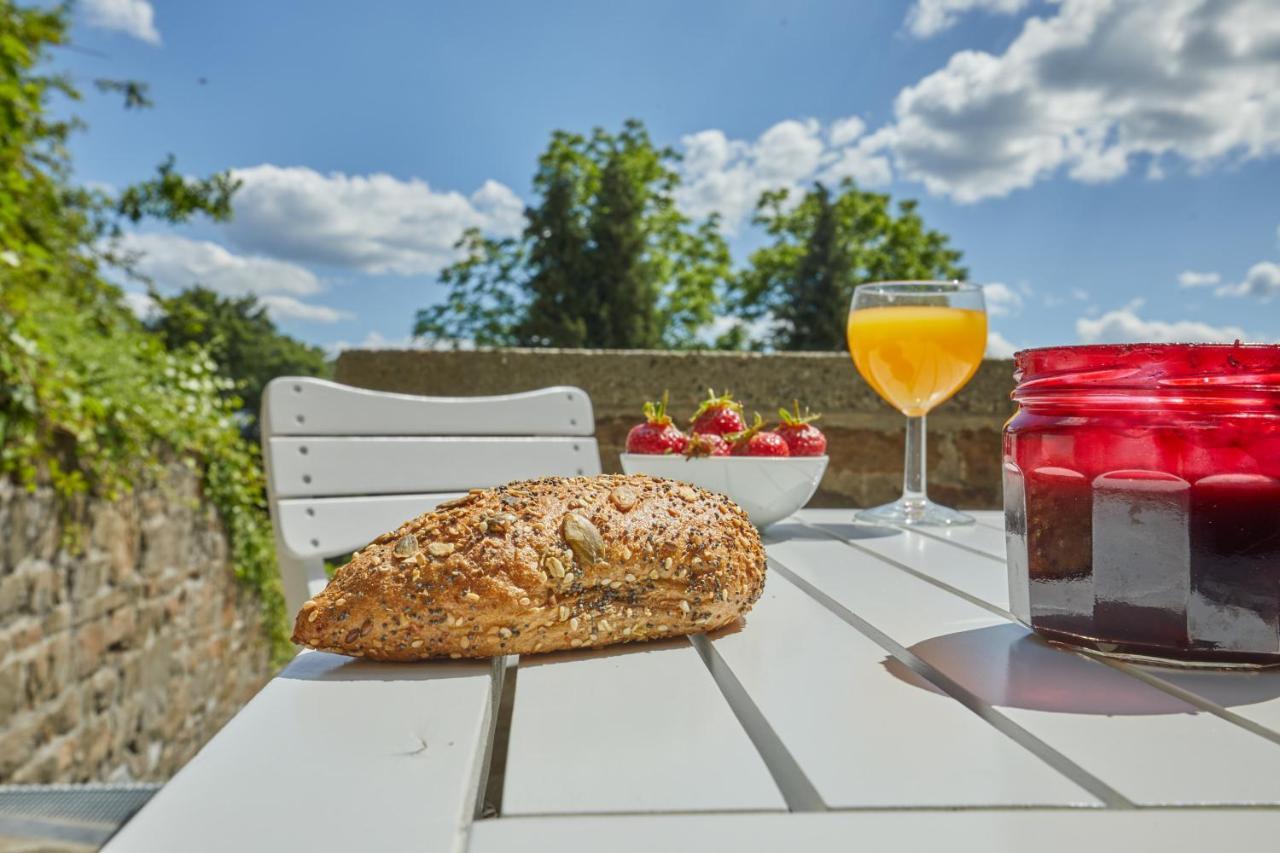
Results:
x,y
346,464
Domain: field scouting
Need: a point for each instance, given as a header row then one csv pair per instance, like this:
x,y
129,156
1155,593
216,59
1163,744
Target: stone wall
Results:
x,y
120,657
865,435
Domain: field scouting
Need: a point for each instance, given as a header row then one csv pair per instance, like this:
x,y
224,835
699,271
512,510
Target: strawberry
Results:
x,y
757,441
718,415
657,434
798,431
706,444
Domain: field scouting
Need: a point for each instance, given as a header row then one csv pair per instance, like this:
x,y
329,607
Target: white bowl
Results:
x,y
769,489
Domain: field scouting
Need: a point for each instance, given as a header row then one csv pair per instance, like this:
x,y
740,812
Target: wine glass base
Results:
x,y
914,512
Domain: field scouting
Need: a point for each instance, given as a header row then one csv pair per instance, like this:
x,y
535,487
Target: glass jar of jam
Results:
x,y
1142,500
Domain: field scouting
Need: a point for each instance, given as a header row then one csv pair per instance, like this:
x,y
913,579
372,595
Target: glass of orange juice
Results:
x,y
917,343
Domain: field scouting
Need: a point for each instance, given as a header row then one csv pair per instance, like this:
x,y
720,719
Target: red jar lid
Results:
x,y
1248,373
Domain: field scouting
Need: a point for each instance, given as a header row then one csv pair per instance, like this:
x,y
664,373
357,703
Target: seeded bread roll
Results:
x,y
543,565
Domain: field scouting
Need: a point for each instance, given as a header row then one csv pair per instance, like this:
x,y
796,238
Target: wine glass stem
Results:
x,y
913,479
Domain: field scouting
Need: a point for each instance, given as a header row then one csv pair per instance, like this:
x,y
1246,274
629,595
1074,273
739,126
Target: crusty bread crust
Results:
x,y
543,565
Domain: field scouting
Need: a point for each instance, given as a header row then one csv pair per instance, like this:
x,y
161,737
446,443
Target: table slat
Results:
x,y
1062,831
986,536
635,728
865,738
1150,746
980,576
334,754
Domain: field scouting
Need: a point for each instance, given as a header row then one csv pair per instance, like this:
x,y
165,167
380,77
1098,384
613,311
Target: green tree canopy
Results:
x,y
822,248
605,258
240,338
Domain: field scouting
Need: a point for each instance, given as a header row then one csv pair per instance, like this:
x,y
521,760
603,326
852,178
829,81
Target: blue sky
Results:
x,y
1109,167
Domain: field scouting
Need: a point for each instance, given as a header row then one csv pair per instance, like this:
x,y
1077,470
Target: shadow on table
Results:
x,y
324,666
824,531
1008,666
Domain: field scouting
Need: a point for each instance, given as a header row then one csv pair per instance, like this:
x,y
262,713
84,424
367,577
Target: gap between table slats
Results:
x,y
1153,680
503,673
797,790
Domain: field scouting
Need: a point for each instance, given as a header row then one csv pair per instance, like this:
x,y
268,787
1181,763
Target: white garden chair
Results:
x,y
346,464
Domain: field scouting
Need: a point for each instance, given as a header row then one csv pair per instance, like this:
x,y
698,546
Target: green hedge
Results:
x,y
94,404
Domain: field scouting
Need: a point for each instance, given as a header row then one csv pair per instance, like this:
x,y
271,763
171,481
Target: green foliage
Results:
x,y
174,198
89,400
605,259
94,404
822,249
134,92
241,339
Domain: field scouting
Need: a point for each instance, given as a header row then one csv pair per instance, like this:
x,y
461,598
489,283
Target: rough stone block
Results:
x,y
91,644
17,743
13,594
103,687
89,575
115,533
12,690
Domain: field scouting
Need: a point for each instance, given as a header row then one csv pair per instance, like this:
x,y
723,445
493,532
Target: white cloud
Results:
x,y
1191,278
286,306
132,17
377,341
846,130
176,262
727,176
141,304
372,223
926,18
998,346
1092,88
757,330
1124,325
1262,281
1079,294
1002,300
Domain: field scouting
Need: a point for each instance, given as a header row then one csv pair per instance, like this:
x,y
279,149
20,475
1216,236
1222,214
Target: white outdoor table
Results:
x,y
879,697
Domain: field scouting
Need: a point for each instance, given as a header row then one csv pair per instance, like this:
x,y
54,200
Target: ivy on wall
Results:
x,y
95,405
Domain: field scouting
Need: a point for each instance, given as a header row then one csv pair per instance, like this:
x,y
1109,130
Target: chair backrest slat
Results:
x,y
321,527
345,465
385,465
304,406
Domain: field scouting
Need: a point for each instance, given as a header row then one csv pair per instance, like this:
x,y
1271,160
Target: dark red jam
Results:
x,y
1142,500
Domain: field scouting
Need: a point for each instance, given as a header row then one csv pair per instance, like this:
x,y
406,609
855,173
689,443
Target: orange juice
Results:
x,y
916,356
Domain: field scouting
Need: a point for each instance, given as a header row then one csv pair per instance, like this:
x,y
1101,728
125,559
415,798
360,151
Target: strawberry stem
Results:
x,y
722,401
800,417
740,439
656,412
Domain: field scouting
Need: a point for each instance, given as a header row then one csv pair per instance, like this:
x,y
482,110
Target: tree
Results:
x,y
605,258
822,248
240,338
